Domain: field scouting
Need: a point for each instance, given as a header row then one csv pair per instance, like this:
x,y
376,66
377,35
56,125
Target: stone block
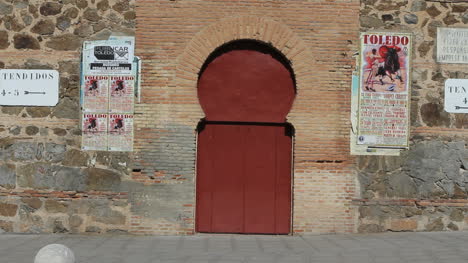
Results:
x,y
457,215
76,158
67,42
32,202
50,8
418,5
38,112
102,180
8,176
93,229
36,175
69,179
4,42
24,151
452,226
435,225
411,19
107,216
44,27
370,228
53,206
5,9
54,152
8,210
80,206
25,41
403,225
75,221
6,226
32,130
433,11
58,227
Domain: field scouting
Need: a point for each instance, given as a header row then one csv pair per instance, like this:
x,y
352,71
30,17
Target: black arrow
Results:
x,y
34,92
460,108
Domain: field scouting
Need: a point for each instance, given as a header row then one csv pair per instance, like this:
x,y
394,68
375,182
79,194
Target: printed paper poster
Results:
x,y
121,98
94,135
95,93
384,90
120,132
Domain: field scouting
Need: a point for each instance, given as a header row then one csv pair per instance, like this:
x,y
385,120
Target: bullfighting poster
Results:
x,y
95,91
121,93
384,92
120,132
94,128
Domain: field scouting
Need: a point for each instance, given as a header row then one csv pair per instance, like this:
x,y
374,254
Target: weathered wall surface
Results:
x,y
47,184
426,188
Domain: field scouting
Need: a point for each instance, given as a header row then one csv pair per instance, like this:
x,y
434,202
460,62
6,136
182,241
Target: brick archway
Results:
x,y
321,66
261,29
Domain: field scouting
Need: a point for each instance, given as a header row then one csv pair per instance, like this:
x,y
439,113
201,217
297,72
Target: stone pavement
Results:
x,y
446,247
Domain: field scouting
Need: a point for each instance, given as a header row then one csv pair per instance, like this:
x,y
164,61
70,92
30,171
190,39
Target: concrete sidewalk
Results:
x,y
447,247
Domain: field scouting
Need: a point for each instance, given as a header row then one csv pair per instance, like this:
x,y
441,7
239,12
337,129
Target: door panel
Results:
x,y
244,179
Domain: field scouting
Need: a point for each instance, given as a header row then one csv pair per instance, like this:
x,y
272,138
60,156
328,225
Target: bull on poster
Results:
x,y
95,93
121,94
120,129
94,128
383,109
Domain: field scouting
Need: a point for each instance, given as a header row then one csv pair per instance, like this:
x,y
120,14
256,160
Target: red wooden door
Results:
x,y
244,171
244,179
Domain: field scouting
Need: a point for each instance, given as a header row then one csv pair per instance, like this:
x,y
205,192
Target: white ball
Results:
x,y
55,253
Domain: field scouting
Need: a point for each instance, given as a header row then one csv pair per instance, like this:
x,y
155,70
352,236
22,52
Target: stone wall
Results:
x,y
426,188
47,184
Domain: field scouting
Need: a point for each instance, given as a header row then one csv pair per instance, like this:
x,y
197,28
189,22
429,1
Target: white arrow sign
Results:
x,y
456,95
29,87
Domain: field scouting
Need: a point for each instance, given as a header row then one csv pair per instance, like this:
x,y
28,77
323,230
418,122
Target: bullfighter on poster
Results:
x,y
384,90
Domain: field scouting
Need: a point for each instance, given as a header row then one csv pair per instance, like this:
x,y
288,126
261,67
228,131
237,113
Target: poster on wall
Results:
x,y
94,126
120,132
121,93
109,82
95,91
108,57
384,90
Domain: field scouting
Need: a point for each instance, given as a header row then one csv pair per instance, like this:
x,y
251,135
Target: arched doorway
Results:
x,y
246,89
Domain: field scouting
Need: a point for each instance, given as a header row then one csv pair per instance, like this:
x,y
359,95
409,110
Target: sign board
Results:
x,y
452,45
29,87
456,95
384,84
108,57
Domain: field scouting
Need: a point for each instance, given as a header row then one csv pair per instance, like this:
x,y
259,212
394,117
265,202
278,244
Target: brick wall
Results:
x,y
175,37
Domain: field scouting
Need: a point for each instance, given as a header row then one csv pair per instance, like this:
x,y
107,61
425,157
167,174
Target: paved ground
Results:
x,y
446,247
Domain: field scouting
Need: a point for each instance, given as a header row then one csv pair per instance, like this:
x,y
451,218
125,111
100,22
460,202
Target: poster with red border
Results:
x,y
94,127
384,92
120,132
95,93
121,94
